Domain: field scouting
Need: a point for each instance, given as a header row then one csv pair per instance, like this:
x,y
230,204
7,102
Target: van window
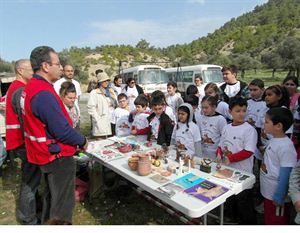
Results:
x,y
188,76
212,75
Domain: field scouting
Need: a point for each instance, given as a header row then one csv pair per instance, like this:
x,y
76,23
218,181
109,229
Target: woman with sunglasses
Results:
x,y
132,90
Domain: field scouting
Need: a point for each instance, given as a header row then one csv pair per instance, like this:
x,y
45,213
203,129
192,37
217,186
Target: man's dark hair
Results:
x,y
232,68
39,55
258,83
281,115
237,101
121,96
141,100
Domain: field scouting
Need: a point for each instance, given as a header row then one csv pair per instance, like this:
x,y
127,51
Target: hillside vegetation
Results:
x,y
266,38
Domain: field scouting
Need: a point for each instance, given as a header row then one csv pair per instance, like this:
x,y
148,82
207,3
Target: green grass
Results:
x,y
265,75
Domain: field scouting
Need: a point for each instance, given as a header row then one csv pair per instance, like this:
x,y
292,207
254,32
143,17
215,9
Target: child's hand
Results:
x,y
134,132
276,204
297,206
218,159
226,161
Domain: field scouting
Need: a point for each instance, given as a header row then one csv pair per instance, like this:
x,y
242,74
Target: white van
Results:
x,y
185,75
149,77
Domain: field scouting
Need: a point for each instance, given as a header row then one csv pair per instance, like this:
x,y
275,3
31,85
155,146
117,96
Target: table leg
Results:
x,y
222,214
205,219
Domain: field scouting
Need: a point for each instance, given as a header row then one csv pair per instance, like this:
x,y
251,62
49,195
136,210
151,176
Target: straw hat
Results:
x,y
101,77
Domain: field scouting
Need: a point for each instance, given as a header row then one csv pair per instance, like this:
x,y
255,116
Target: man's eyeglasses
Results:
x,y
132,82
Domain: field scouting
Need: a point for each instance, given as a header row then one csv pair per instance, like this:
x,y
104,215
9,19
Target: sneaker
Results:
x,y
260,208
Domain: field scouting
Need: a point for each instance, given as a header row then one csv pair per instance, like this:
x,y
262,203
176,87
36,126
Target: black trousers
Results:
x,y
59,193
30,180
241,208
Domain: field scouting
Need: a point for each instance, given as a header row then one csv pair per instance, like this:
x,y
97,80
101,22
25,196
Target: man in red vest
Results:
x,y
26,208
50,138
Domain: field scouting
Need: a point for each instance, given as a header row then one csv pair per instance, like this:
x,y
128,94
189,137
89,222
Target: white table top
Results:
x,y
181,201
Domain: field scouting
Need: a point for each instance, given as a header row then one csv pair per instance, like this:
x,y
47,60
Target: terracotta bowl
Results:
x,y
133,163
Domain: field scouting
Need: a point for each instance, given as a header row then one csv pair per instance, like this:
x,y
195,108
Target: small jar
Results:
x,y
144,165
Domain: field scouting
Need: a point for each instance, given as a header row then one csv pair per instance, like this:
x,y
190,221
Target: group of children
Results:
x,y
233,132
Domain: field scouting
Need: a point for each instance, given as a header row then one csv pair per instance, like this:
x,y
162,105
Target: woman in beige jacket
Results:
x,y
101,103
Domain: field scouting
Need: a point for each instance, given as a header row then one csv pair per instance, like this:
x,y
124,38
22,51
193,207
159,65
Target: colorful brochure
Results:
x,y
206,191
189,180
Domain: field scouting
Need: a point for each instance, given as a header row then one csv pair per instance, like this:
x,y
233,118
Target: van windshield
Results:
x,y
213,75
152,76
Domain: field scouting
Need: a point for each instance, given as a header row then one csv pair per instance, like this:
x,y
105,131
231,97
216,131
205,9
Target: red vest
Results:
x,y
36,140
14,134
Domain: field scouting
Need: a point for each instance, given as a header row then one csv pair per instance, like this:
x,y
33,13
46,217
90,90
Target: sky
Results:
x,y
26,24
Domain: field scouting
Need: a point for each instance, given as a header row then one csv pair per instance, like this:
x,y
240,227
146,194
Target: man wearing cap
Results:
x,y
102,101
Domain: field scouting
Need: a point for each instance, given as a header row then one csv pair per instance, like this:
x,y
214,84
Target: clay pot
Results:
x,y
133,163
144,165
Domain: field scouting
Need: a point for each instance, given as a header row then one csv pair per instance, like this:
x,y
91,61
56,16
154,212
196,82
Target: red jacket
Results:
x,y
14,134
36,139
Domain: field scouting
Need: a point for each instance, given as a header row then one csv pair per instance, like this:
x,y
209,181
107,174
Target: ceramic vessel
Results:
x,y
133,163
144,165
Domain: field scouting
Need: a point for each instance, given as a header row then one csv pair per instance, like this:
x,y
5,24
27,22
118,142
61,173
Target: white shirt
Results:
x,y
57,86
187,136
140,122
172,102
170,113
238,138
223,109
155,126
279,153
201,92
232,90
120,119
256,112
211,128
131,93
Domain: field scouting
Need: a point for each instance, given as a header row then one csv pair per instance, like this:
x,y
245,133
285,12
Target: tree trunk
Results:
x,y
291,73
273,73
243,73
